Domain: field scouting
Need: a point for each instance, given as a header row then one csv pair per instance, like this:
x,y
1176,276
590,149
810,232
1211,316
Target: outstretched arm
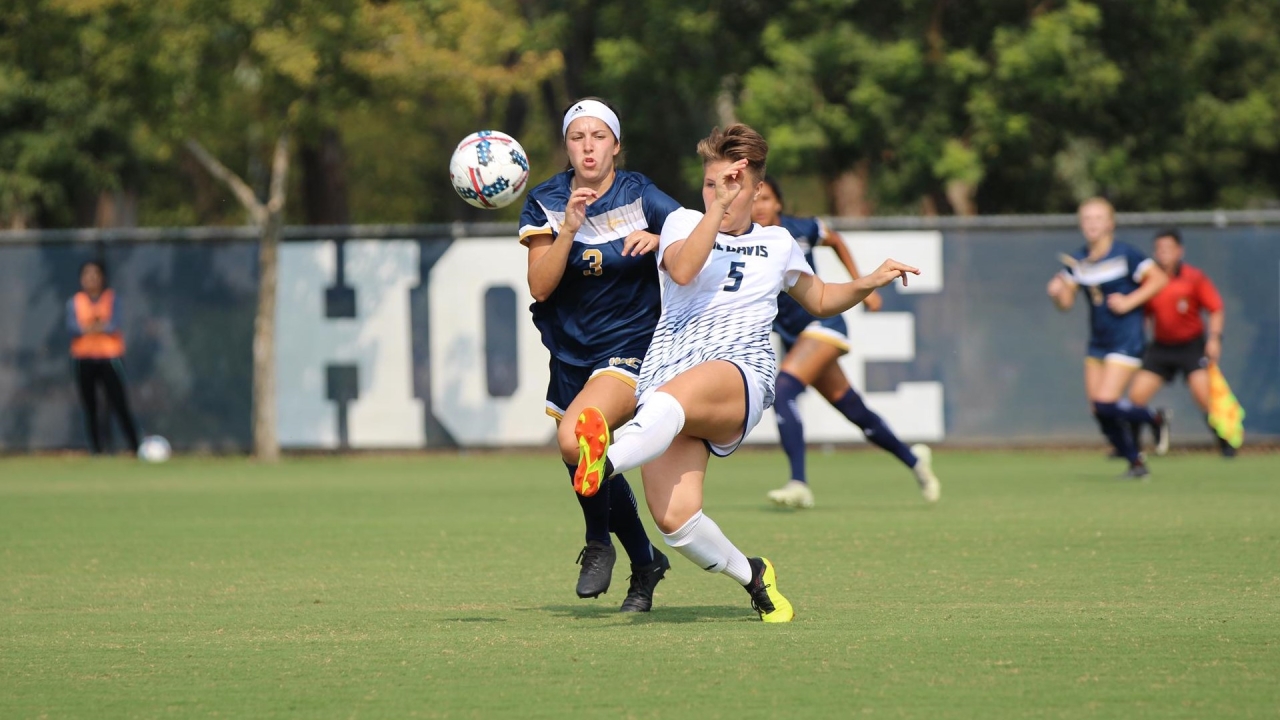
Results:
x,y
834,241
1152,282
827,299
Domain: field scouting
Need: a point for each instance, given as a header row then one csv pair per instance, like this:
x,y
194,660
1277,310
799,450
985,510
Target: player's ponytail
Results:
x,y
736,142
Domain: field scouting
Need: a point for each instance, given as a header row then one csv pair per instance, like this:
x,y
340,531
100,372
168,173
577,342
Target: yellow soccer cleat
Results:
x,y
765,598
592,432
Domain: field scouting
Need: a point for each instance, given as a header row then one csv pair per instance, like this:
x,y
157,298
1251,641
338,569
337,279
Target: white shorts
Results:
x,y
754,410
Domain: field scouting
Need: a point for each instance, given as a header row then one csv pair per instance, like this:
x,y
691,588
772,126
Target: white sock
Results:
x,y
702,541
648,434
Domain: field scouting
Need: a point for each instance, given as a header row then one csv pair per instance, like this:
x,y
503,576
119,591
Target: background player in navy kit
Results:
x,y
590,232
814,346
1118,280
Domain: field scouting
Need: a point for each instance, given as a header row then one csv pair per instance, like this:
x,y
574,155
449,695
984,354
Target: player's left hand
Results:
x,y
639,242
873,302
889,271
1119,303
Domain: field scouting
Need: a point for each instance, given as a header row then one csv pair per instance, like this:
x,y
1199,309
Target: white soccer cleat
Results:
x,y
794,494
930,488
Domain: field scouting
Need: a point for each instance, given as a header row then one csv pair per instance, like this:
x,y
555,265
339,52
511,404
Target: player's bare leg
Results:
x,y
1198,384
673,489
1104,384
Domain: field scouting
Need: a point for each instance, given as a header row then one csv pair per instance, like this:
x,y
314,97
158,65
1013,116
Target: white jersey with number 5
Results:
x,y
726,313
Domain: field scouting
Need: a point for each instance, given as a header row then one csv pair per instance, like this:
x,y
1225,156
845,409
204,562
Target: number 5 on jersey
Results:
x,y
735,274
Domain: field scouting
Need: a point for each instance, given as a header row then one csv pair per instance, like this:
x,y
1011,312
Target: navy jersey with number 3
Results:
x,y
605,303
1120,271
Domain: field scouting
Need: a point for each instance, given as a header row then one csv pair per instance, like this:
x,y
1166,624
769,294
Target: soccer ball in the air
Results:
x,y
154,449
489,169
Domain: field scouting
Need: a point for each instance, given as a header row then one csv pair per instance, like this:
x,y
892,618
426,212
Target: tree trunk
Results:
x,y
963,197
849,191
269,218
324,180
116,208
266,444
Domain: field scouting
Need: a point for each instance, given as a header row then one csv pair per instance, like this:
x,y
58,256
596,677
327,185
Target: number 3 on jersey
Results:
x,y
735,274
594,258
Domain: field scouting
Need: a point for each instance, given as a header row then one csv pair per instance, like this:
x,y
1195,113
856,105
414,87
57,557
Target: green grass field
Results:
x,y
442,586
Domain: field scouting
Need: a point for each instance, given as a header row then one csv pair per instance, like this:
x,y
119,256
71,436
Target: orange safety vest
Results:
x,y
96,345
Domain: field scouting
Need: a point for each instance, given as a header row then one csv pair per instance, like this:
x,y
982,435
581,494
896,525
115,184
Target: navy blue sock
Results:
x,y
595,511
624,521
852,407
1109,419
790,427
1138,414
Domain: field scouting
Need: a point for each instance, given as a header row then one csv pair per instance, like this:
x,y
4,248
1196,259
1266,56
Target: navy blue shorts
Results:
x,y
832,331
568,380
1129,353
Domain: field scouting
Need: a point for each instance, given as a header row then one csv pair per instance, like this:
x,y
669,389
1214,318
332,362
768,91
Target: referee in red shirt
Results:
x,y
1180,344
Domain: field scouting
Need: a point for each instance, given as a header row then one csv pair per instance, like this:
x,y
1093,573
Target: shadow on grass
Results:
x,y
662,614
473,620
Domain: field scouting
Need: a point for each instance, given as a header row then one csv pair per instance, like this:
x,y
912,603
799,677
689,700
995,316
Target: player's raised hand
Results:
x,y
891,270
575,212
730,182
639,242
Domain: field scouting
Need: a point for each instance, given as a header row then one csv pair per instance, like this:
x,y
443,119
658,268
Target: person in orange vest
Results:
x,y
97,349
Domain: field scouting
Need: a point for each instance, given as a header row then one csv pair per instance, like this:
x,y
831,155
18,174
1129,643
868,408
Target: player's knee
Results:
x,y
568,443
670,520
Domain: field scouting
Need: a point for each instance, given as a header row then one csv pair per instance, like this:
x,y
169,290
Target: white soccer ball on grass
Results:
x,y
154,449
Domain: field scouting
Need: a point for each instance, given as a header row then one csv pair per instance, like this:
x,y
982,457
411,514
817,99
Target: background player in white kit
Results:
x,y
709,372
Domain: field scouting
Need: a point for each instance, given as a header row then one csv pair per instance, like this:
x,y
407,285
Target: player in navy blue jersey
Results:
x,y
813,348
1118,279
591,232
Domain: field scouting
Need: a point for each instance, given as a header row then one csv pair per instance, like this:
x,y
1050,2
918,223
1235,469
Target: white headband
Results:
x,y
595,109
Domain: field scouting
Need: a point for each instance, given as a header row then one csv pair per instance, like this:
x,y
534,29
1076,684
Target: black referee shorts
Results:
x,y
1168,361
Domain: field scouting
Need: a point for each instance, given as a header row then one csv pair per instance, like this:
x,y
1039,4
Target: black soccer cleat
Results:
x,y
768,603
643,581
1136,471
597,561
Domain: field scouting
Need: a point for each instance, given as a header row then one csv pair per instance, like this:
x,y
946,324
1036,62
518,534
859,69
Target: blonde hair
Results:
x,y
736,142
1099,200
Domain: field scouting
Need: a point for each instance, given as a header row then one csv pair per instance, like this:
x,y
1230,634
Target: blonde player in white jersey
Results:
x,y
709,372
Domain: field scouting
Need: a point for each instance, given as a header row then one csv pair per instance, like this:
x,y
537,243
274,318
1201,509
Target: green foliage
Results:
x,y
70,76
1012,106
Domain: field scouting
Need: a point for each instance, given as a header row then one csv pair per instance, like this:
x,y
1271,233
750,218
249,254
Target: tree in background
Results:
x,y
290,68
75,99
